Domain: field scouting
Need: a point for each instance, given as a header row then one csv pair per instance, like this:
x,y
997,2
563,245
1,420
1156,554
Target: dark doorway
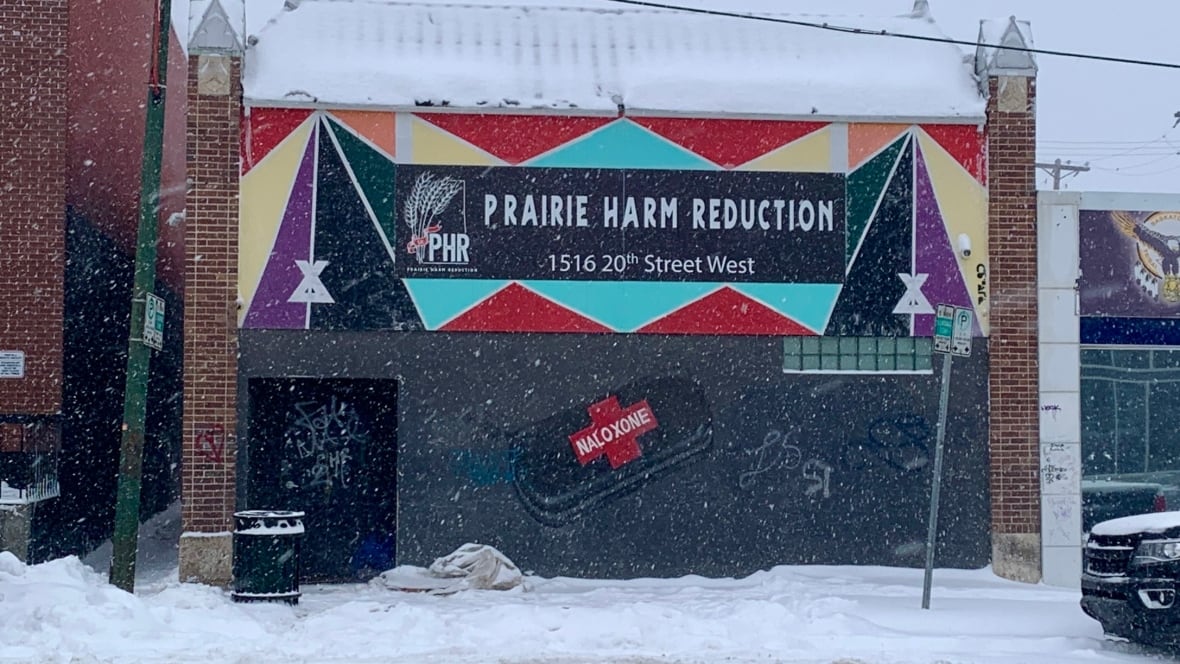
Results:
x,y
328,447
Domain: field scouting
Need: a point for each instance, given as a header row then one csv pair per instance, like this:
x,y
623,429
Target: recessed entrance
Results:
x,y
328,447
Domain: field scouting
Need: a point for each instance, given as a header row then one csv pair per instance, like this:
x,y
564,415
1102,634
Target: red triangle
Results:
x,y
729,143
726,311
515,308
515,138
965,144
264,129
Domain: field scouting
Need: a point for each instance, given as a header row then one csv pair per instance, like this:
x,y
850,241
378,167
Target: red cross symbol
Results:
x,y
614,432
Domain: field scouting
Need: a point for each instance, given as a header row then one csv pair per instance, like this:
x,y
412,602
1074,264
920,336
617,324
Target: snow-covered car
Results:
x,y
1130,577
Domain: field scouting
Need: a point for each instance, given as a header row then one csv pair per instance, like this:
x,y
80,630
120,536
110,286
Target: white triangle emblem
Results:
x,y
913,301
311,289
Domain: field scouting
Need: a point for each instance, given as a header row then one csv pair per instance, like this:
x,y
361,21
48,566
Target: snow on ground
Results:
x,y
65,611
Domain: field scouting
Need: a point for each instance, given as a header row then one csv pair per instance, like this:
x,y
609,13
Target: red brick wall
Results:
x,y
32,215
111,46
210,309
1012,235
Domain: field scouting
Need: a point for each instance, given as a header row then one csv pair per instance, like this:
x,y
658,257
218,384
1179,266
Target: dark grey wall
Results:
x,y
749,467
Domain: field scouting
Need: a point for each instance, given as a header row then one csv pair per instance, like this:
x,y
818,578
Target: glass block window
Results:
x,y
857,354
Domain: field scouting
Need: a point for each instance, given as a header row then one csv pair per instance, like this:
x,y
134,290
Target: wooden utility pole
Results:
x,y
1058,170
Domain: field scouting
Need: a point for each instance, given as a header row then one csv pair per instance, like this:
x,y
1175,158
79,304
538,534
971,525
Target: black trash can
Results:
x,y
266,556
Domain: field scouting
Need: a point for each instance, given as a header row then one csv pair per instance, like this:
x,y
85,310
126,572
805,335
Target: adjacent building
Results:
x,y
1109,292
74,82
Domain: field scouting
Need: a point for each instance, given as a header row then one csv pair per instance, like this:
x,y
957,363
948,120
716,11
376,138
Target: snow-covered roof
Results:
x,y
385,53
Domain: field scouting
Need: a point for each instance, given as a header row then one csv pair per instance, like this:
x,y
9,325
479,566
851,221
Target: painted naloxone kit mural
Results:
x,y
600,343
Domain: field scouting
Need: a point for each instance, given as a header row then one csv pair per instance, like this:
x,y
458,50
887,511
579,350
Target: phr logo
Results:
x,y
429,198
447,248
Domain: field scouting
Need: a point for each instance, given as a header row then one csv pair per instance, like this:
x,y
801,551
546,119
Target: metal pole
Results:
x,y
932,530
124,541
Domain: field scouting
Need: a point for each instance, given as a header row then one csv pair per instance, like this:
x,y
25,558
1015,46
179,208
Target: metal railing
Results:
x,y
30,449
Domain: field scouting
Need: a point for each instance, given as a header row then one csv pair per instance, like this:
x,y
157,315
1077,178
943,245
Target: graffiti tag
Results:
x,y
209,442
325,438
777,453
774,452
898,442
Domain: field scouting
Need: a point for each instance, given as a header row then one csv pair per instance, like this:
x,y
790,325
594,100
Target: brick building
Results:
x,y
74,82
618,292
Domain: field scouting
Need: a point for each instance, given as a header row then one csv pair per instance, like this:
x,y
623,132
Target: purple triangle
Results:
x,y
270,308
933,254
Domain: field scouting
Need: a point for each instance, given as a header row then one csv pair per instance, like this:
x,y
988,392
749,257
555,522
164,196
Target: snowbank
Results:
x,y
63,611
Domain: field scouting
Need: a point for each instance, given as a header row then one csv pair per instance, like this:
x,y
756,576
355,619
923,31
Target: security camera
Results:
x,y
964,245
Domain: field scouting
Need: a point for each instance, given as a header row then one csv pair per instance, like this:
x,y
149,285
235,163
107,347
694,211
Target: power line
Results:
x,y
1113,152
897,35
1142,164
1047,141
1115,171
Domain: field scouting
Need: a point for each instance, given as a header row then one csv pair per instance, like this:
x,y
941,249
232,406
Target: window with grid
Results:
x,y
857,354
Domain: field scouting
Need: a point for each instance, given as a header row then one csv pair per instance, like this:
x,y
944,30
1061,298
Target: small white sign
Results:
x,y
943,328
153,322
12,364
961,337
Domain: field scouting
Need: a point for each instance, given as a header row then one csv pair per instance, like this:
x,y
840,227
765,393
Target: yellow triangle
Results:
x,y
431,145
963,203
264,193
810,154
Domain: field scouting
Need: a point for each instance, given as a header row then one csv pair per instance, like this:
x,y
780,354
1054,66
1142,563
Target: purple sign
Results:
x,y
1130,263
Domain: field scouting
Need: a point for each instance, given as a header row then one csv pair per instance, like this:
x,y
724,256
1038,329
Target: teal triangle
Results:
x,y
440,300
622,144
806,304
374,175
623,306
865,186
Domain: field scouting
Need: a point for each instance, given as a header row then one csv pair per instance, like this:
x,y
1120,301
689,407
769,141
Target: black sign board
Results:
x,y
619,225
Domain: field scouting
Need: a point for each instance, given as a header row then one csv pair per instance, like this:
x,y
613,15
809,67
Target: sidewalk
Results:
x,y
64,611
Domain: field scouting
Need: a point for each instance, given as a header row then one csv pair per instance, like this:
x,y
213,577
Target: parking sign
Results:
x,y
153,322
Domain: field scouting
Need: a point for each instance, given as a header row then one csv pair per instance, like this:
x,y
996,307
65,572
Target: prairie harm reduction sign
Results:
x,y
619,225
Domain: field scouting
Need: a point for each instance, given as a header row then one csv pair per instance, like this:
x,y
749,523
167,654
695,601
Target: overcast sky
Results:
x,y
1116,117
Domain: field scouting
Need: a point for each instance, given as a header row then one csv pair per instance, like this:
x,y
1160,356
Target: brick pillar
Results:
x,y
210,309
1012,346
33,69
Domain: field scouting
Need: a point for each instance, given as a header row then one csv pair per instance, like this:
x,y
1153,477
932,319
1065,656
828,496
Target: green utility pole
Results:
x,y
138,354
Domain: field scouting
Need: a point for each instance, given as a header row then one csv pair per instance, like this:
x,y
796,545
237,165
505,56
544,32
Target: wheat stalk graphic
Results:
x,y
428,198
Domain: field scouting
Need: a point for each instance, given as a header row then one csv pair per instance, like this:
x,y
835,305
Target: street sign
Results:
x,y
961,337
952,336
944,324
153,322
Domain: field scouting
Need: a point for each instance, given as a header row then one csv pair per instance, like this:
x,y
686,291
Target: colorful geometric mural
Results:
x,y
320,240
